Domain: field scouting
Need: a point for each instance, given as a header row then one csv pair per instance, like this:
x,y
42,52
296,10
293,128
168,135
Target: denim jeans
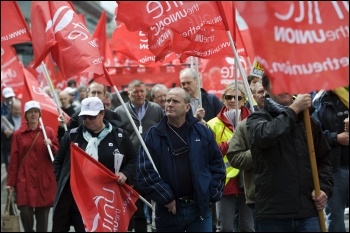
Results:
x,y
337,203
187,219
288,225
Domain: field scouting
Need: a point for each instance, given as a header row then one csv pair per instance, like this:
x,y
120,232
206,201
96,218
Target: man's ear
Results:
x,y
188,107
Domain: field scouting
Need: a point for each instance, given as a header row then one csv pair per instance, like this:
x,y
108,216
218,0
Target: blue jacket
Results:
x,y
207,166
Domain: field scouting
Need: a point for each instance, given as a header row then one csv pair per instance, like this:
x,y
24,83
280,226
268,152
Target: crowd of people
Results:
x,y
206,165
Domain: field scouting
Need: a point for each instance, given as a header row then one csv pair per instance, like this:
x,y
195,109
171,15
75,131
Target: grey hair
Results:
x,y
156,88
189,72
134,83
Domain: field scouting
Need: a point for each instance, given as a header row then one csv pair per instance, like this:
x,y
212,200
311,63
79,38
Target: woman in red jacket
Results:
x,y
30,172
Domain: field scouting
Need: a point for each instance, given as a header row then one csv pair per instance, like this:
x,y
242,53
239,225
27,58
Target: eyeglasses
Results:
x,y
229,97
91,118
181,151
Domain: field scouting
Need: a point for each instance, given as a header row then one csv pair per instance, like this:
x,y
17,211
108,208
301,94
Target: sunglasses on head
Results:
x,y
91,118
229,97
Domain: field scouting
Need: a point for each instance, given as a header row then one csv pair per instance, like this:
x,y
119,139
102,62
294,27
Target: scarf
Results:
x,y
93,142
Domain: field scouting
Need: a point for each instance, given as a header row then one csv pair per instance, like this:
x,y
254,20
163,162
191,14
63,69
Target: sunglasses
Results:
x,y
91,118
181,151
229,97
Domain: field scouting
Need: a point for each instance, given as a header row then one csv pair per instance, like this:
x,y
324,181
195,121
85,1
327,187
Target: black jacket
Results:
x,y
211,104
331,112
105,151
283,177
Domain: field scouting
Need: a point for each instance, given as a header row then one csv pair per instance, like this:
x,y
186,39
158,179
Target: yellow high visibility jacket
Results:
x,y
223,134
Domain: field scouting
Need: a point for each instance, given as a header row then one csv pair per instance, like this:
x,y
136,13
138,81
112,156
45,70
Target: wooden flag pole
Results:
x,y
311,147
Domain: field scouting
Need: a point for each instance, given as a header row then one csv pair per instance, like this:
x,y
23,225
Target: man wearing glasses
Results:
x,y
189,173
99,139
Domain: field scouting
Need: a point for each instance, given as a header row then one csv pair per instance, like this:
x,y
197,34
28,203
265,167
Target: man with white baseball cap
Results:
x,y
8,95
103,142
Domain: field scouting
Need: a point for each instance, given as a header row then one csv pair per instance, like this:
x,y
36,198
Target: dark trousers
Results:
x,y
66,213
41,216
138,222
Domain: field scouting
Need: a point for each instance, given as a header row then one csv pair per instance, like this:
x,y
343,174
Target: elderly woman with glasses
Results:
x,y
233,200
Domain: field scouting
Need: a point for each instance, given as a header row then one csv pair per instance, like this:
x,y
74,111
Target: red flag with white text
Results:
x,y
178,26
60,30
49,109
134,45
11,70
303,46
104,205
14,28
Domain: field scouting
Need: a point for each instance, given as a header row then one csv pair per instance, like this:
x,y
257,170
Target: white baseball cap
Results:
x,y
8,92
31,104
70,90
91,106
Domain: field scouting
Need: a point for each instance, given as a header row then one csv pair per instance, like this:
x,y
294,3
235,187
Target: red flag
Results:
x,y
59,29
102,41
49,109
14,28
174,26
134,45
55,75
104,205
303,46
11,70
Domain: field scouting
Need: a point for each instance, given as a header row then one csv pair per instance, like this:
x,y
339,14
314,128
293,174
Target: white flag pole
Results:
x,y
45,136
48,80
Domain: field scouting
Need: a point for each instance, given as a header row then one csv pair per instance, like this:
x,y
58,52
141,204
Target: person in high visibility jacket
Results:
x,y
223,126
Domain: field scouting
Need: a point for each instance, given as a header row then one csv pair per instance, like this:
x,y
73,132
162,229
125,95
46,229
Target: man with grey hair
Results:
x,y
211,105
145,114
158,94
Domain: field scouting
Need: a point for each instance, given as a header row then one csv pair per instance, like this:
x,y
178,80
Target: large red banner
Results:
x,y
303,45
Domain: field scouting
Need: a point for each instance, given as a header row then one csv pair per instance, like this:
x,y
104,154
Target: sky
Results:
x,y
109,5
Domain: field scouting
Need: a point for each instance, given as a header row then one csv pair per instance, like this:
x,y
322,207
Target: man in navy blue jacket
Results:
x,y
188,172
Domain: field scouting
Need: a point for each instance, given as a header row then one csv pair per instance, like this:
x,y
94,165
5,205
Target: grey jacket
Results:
x,y
240,157
154,114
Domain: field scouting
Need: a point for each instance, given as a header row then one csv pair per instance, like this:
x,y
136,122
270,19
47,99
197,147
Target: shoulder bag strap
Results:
x,y
30,147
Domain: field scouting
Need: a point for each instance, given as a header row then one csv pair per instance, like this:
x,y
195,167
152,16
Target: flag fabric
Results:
x,y
60,30
14,28
105,206
55,75
303,46
11,70
134,45
102,41
49,108
192,28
